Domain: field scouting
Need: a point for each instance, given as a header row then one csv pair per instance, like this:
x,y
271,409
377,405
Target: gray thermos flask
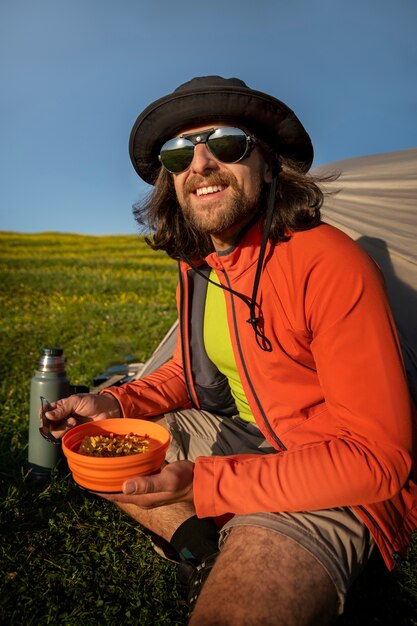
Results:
x,y
50,382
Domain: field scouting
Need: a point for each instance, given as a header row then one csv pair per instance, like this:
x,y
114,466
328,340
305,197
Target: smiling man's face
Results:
x,y
220,198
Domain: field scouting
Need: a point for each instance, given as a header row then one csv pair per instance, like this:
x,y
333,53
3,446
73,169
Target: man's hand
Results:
x,y
80,408
173,484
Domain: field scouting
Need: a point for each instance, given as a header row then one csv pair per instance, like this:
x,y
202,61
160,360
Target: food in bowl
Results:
x,y
114,445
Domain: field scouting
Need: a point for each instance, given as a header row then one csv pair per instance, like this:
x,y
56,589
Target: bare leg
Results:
x,y
163,521
261,577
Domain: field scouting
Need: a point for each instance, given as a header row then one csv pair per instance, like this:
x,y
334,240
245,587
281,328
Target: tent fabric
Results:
x,y
376,205
162,353
374,201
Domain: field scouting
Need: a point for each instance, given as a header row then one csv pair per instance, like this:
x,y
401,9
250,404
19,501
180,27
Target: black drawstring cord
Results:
x,y
255,321
209,280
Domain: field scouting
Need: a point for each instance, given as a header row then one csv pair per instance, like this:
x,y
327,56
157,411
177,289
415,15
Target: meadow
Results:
x,y
66,556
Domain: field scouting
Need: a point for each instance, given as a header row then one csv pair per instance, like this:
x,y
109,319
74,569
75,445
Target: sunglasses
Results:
x,y
227,145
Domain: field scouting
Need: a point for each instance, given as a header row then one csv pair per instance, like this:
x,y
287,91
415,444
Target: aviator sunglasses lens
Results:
x,y
227,145
176,154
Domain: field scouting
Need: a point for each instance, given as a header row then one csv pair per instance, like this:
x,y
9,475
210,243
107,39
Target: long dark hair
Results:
x,y
298,201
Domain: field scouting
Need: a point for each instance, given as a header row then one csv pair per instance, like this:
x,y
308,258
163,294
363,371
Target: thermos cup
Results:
x,y
50,382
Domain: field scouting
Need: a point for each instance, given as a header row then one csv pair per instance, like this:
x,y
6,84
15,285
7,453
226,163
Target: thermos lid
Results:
x,y
52,352
51,360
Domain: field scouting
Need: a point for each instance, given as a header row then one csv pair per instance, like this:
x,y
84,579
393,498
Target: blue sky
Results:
x,y
75,74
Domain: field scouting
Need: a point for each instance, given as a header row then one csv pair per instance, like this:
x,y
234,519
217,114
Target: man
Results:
x,y
286,397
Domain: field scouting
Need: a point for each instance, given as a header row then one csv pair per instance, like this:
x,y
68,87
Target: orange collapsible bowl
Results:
x,y
107,474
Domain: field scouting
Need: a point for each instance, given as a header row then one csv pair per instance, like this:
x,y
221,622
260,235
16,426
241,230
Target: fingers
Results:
x,y
173,484
174,478
78,409
85,405
64,408
63,415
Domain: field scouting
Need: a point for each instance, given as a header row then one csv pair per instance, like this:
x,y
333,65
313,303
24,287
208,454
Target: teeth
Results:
x,y
203,191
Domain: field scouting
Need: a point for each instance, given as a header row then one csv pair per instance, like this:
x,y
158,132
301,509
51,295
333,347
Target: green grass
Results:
x,y
67,557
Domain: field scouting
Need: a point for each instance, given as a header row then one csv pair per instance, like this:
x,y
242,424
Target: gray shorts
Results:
x,y
337,538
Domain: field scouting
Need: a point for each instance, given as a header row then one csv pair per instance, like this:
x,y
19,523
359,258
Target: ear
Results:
x,y
272,167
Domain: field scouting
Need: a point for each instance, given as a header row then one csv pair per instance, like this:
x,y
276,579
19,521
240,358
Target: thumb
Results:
x,y
60,409
139,485
65,407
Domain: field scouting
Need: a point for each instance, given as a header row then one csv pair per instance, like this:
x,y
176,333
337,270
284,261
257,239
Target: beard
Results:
x,y
218,216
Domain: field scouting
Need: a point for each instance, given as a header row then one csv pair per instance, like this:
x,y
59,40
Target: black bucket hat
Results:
x,y
210,100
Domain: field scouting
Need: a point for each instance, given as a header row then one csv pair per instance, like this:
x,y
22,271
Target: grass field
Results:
x,y
66,556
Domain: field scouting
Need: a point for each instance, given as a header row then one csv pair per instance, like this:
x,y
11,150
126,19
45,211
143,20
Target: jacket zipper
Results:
x,y
185,360
242,360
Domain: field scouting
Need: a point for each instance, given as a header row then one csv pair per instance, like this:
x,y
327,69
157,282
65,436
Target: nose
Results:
x,y
203,160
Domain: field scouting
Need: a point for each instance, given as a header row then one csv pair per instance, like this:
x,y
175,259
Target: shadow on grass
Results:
x,y
382,597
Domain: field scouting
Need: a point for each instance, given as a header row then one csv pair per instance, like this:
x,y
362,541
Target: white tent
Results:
x,y
376,205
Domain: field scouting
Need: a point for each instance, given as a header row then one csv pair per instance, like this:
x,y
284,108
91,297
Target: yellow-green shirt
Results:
x,y
219,346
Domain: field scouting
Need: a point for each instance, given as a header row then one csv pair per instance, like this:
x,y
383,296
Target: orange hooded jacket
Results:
x,y
331,395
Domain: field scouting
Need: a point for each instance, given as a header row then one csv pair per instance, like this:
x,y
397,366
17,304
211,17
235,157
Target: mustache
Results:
x,y
214,178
